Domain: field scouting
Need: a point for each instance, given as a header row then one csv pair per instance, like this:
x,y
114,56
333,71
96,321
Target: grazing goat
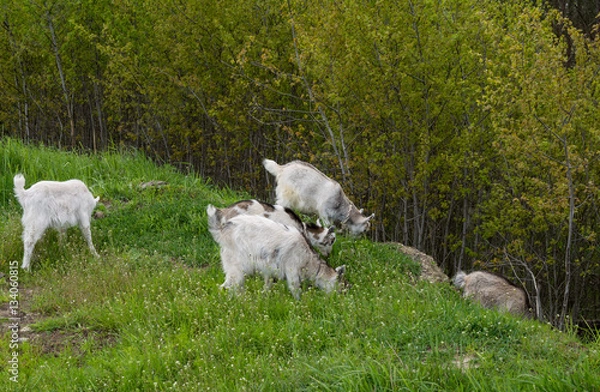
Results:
x,y
493,291
52,204
319,237
303,187
253,244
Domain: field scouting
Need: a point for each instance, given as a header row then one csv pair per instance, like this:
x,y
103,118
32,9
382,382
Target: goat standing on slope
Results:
x,y
253,244
53,204
303,187
493,292
319,237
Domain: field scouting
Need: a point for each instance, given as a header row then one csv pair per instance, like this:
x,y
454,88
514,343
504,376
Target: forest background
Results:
x,y
470,128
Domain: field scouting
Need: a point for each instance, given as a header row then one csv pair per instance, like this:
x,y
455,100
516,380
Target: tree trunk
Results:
x,y
61,74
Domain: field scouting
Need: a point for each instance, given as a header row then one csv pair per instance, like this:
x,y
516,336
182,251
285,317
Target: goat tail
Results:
x,y
459,279
272,167
19,181
215,221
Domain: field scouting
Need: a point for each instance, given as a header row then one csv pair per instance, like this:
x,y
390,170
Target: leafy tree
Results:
x,y
468,127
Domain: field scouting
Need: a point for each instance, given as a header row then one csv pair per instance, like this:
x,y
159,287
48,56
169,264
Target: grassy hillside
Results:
x,y
148,315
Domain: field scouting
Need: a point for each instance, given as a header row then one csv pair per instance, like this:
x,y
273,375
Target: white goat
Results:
x,y
253,244
303,187
52,204
319,237
493,292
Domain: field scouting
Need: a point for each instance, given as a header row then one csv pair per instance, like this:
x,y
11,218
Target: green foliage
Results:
x,y
149,315
468,127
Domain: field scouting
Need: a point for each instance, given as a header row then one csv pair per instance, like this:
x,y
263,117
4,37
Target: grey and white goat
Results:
x,y
319,237
252,244
303,187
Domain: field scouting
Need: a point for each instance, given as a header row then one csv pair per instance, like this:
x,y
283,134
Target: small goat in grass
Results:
x,y
494,292
53,204
303,187
319,237
252,244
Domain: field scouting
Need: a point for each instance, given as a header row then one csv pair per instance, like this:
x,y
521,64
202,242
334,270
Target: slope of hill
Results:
x,y
148,315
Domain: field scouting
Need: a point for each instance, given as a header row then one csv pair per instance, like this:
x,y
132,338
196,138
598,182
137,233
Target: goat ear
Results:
x,y
319,223
361,210
341,270
371,216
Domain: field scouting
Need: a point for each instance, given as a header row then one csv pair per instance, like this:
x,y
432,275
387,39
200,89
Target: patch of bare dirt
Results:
x,y
46,342
57,341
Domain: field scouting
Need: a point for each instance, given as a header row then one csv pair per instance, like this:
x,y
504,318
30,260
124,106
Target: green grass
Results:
x,y
149,315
